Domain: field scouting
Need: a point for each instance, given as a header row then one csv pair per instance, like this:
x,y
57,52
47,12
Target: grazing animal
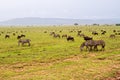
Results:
x,y
60,31
94,33
7,36
103,32
117,33
21,31
2,32
114,31
112,36
81,35
13,34
23,41
87,38
82,46
64,35
22,35
56,35
118,30
45,31
79,32
70,38
93,43
52,33
70,31
18,37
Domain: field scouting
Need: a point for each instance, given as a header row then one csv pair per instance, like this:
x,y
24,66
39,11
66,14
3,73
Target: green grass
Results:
x,y
51,58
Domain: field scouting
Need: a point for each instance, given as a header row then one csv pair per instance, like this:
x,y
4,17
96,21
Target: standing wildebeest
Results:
x,y
118,33
114,31
103,32
70,31
45,31
112,36
60,31
81,35
78,32
13,34
52,33
70,38
64,35
92,43
87,38
2,32
23,41
56,35
22,35
7,36
95,33
19,37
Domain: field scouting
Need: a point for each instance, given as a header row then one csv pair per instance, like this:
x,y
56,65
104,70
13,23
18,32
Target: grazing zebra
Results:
x,y
23,41
93,43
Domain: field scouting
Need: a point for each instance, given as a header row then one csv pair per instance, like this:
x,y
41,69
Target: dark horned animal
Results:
x,y
70,38
64,35
56,35
7,36
87,38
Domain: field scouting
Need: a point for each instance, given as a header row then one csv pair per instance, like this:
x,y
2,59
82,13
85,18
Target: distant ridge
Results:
x,y
56,21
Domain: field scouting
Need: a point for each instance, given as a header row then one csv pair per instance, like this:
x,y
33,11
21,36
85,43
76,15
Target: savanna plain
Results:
x,y
49,58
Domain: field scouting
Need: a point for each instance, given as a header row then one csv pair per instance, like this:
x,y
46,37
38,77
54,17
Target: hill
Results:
x,y
56,21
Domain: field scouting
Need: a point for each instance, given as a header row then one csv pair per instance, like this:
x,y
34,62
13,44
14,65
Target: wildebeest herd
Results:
x,y
21,38
89,42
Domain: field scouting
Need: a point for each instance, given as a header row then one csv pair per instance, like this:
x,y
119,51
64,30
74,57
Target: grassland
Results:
x,y
51,58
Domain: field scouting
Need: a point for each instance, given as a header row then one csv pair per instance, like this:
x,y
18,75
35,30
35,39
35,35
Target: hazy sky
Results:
x,y
81,9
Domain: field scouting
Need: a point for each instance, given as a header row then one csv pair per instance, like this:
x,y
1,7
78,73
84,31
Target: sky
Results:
x,y
76,9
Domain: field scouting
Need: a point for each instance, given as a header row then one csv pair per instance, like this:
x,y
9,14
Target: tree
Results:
x,y
75,24
117,24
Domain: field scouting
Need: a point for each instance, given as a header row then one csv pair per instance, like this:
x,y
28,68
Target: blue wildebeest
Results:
x,y
112,36
64,35
13,34
7,36
103,33
87,38
20,36
81,35
70,38
56,35
52,33
95,33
